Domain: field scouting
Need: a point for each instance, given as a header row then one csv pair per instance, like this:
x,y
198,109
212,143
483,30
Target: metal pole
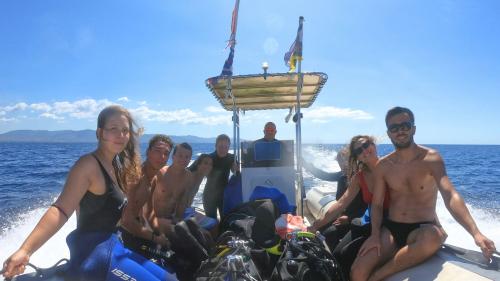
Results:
x,y
229,90
298,133
236,130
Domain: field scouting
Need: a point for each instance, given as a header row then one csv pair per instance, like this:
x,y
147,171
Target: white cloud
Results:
x,y
90,108
123,99
40,107
51,116
182,116
81,109
17,106
143,102
214,109
3,119
323,114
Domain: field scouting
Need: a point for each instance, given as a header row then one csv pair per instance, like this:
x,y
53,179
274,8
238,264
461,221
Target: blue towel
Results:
x,y
262,192
233,194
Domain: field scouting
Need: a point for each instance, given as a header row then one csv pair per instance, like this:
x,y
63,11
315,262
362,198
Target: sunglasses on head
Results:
x,y
359,150
405,126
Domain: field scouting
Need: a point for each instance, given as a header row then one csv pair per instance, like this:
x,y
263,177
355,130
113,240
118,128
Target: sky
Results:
x,y
61,62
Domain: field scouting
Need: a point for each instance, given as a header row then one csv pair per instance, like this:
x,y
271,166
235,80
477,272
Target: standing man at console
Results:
x,y
269,132
222,163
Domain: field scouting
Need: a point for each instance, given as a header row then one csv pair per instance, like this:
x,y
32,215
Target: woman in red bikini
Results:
x,y
362,160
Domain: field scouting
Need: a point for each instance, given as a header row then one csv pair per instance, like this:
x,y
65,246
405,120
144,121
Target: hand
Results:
x,y
235,167
311,229
373,242
487,246
15,264
162,240
341,220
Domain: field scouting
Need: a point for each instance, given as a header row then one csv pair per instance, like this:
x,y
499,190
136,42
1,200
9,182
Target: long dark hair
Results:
x,y
354,165
197,162
127,164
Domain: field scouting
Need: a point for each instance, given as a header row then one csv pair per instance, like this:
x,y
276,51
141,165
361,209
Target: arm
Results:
x,y
182,204
132,215
77,183
338,207
235,166
377,207
320,174
456,206
156,218
195,186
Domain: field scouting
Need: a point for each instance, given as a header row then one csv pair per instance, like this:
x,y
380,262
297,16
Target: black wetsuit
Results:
x,y
217,180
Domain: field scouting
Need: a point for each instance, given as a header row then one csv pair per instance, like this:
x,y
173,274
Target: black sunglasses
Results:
x,y
359,150
405,126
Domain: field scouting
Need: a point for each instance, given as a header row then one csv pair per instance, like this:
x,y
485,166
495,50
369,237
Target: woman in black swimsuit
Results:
x,y
95,189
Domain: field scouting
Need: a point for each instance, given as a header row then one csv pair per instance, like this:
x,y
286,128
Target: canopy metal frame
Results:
x,y
265,92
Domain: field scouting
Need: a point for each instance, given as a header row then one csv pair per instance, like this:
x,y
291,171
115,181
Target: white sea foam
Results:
x,y
488,224
51,252
323,159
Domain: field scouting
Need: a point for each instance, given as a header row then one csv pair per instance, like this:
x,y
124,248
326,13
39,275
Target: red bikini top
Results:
x,y
367,195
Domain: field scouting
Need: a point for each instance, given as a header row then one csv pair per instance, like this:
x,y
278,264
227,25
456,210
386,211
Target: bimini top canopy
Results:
x,y
276,91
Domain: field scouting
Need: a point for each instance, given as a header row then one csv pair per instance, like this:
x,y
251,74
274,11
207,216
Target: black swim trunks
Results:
x,y
401,230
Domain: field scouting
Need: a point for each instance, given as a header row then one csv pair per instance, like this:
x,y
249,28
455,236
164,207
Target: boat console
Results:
x,y
268,164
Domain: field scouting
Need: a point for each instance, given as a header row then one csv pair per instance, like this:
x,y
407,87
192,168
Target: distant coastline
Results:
x,y
82,136
88,136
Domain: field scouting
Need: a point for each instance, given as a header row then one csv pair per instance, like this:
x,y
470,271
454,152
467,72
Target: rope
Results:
x,y
38,270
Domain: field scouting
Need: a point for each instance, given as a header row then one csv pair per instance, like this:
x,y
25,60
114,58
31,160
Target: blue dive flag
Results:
x,y
295,53
227,69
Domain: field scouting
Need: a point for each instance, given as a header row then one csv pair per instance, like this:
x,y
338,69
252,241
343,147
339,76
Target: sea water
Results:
x,y
33,174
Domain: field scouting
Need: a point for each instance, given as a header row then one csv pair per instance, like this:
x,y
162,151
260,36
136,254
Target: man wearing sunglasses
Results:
x,y
411,233
269,132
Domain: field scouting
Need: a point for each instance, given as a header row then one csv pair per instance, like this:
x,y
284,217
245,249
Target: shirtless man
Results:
x,y
139,196
170,196
411,233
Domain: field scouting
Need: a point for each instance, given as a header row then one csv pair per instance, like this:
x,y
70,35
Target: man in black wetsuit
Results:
x,y
223,162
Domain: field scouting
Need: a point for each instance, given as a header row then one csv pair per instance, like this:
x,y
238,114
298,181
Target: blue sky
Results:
x,y
63,61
